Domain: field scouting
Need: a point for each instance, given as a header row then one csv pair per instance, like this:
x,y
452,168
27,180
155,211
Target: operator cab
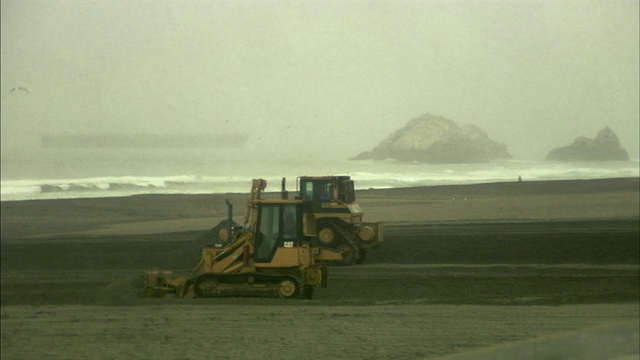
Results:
x,y
324,189
279,225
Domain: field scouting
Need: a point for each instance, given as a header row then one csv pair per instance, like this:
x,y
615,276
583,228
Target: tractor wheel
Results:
x,y
288,288
327,235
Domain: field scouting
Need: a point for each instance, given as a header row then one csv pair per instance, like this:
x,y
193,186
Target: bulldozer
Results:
x,y
332,218
268,256
329,203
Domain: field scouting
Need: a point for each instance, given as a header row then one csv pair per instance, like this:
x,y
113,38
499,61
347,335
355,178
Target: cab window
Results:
x,y
278,225
324,191
290,222
316,190
307,190
269,228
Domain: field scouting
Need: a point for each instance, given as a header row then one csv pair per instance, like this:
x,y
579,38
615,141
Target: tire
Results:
x,y
327,235
288,288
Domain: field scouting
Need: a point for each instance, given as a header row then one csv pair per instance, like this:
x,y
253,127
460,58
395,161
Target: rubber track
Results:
x,y
263,285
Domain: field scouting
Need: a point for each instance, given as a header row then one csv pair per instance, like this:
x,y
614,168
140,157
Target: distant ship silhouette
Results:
x,y
143,140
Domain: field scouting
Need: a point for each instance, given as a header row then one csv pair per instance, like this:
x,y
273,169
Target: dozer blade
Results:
x,y
161,284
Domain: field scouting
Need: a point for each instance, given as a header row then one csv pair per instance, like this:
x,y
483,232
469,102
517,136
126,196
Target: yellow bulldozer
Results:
x,y
332,218
329,203
269,256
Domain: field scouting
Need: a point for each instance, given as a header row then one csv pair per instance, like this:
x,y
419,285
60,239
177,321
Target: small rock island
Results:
x,y
605,147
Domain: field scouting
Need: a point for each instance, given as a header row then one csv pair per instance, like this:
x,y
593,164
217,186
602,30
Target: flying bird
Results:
x,y
21,88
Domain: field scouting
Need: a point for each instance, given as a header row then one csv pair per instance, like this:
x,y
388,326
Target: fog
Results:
x,y
336,76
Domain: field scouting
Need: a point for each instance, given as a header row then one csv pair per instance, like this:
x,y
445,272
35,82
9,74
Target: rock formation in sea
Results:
x,y
605,147
435,139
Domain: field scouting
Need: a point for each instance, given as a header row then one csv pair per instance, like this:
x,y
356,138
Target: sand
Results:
x,y
462,268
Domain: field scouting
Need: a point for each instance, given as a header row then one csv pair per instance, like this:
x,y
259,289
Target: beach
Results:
x,y
462,267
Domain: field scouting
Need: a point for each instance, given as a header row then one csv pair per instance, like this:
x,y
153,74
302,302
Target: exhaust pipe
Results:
x,y
284,193
229,219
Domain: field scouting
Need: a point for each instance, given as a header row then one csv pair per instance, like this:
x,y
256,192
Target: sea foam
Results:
x,y
367,174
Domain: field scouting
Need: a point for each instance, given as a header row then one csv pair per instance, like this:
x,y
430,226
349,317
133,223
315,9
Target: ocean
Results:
x,y
85,173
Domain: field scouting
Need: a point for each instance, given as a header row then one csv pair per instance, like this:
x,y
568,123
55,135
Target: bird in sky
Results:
x,y
21,88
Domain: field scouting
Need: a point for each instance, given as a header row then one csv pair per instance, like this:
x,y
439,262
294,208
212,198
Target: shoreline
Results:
x,y
623,180
549,200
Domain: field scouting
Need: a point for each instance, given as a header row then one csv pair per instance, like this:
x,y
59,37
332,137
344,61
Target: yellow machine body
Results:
x,y
269,256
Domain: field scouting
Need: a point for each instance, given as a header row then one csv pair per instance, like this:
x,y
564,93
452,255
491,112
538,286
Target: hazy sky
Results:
x,y
341,74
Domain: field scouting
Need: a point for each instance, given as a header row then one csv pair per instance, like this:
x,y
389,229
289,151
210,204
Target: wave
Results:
x,y
94,187
13,190
367,174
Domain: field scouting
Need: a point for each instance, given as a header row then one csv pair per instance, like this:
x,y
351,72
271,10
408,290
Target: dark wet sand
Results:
x,y
462,267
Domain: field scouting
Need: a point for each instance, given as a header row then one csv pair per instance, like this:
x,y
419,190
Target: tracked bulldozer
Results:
x,y
329,203
268,256
332,218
